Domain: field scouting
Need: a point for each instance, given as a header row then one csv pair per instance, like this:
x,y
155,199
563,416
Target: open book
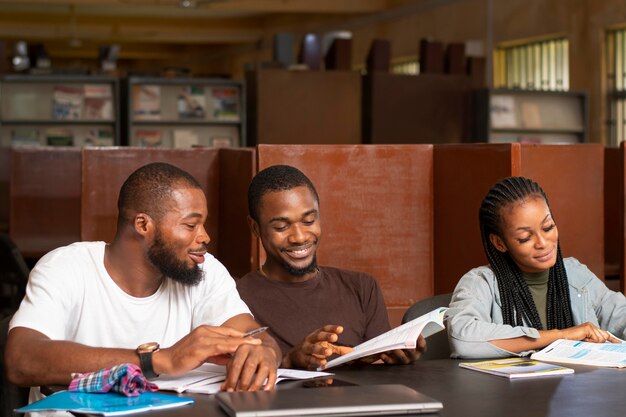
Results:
x,y
402,337
514,368
208,378
107,404
611,355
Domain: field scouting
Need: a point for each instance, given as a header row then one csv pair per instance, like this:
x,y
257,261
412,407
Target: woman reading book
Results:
x,y
528,296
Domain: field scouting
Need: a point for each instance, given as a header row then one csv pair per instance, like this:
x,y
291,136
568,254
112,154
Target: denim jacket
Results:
x,y
475,313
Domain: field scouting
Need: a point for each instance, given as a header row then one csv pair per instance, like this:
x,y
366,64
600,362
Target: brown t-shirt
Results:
x,y
334,296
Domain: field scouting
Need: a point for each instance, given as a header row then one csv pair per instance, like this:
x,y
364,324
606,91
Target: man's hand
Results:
x,y
399,356
316,348
251,368
203,344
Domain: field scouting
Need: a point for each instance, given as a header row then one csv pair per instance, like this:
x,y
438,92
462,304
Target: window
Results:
x,y
616,86
540,65
406,66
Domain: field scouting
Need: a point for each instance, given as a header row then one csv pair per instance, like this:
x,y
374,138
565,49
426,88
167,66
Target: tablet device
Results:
x,y
361,400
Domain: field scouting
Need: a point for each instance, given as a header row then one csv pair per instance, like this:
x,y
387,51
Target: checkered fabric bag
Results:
x,y
125,378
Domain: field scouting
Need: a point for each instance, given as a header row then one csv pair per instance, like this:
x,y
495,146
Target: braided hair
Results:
x,y
517,302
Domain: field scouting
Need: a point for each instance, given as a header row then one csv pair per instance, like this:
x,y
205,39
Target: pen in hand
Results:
x,y
255,331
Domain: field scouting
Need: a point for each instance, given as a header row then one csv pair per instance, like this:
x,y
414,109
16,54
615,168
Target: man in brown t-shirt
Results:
x,y
313,312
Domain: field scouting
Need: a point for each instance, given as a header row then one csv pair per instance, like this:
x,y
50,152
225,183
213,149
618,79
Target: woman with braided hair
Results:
x,y
528,296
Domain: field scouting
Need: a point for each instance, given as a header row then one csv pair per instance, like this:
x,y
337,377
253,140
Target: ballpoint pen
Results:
x,y
255,331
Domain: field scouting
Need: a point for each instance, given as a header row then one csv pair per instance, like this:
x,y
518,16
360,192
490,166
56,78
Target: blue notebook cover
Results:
x,y
107,404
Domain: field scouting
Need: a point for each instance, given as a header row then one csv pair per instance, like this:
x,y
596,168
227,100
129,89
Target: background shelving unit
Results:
x,y
62,110
185,112
507,116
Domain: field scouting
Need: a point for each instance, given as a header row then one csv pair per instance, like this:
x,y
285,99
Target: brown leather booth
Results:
x,y
44,206
571,175
105,170
376,206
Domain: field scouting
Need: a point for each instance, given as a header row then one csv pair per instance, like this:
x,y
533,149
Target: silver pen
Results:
x,y
255,331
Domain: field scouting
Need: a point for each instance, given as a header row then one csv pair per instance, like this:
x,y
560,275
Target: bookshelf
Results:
x,y
59,110
185,112
549,117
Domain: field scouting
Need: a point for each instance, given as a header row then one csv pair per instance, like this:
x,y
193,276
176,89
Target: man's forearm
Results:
x,y
36,361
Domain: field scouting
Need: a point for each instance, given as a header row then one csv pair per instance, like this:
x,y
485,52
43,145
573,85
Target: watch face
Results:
x,y
148,347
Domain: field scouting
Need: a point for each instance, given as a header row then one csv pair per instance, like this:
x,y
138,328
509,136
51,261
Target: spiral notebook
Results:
x,y
361,400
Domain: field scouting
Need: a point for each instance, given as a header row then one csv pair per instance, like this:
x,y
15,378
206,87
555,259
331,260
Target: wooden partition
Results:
x,y
613,217
571,175
321,107
428,108
376,211
106,169
237,249
44,203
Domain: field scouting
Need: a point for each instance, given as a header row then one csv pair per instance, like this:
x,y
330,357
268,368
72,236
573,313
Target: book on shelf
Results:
x,y
612,355
531,116
104,404
67,102
225,103
23,105
147,102
502,111
98,102
221,142
24,136
185,138
515,368
148,138
99,137
59,136
208,378
402,337
191,102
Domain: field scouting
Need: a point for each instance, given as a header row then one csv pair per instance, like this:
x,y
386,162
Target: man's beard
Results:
x,y
165,260
300,272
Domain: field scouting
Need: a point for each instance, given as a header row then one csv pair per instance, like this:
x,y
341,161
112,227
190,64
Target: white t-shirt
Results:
x,y
70,296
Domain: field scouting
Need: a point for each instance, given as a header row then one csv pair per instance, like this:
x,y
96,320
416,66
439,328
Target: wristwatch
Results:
x,y
145,352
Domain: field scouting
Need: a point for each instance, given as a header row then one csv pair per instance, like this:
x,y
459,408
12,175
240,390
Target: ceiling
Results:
x,y
162,29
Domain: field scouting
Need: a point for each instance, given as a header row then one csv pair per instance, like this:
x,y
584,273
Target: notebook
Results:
x,y
355,400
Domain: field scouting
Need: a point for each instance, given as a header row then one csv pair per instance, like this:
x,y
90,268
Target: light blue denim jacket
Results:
x,y
475,313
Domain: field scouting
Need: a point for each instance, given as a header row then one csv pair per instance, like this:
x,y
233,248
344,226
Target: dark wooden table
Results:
x,y
589,391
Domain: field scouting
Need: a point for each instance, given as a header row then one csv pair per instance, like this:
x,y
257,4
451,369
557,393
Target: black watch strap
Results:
x,y
145,362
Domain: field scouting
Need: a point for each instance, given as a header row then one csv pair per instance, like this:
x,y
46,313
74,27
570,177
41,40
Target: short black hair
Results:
x,y
148,188
272,179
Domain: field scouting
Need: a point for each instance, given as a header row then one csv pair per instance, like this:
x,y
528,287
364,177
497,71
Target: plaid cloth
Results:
x,y
126,379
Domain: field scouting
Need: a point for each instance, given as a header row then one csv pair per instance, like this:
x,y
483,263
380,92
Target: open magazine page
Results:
x,y
514,368
401,337
584,353
208,378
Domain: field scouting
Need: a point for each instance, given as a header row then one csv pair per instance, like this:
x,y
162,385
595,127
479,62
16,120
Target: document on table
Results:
x,y
584,353
208,378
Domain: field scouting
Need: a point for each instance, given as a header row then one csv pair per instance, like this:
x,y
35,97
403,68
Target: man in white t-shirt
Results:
x,y
153,297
